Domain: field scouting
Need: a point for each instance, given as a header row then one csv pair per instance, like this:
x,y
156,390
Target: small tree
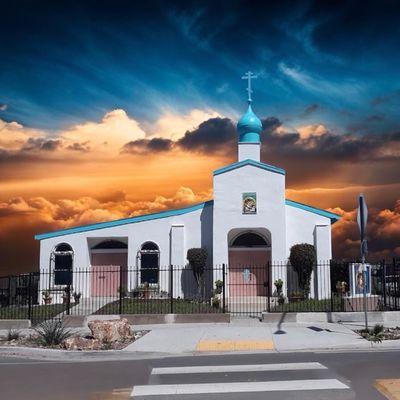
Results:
x,y
197,258
303,258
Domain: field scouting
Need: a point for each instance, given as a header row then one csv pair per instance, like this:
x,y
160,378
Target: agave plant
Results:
x,y
52,333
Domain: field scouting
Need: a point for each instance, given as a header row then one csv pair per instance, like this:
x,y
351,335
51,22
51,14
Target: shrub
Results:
x,y
197,258
278,284
218,286
13,334
303,258
52,333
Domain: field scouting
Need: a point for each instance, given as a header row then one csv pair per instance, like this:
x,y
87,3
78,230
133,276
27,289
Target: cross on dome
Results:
x,y
249,76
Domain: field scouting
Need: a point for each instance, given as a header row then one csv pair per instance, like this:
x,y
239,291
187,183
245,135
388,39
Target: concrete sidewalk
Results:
x,y
247,335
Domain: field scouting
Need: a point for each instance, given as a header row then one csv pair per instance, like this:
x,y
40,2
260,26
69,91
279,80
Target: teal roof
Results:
x,y
124,221
165,214
249,162
249,127
333,217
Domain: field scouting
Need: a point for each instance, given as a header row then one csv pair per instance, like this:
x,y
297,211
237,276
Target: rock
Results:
x,y
81,343
108,331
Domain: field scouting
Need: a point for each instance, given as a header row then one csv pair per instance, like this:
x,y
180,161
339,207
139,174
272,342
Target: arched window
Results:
x,y
249,239
110,244
149,263
63,261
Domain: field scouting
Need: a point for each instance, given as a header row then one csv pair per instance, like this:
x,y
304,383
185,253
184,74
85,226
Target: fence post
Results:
x,y
121,290
268,272
223,288
383,265
171,288
68,298
29,296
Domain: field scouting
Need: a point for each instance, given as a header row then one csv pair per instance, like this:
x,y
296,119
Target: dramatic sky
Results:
x,y
116,108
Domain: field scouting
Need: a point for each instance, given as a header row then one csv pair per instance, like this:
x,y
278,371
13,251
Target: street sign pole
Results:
x,y
362,216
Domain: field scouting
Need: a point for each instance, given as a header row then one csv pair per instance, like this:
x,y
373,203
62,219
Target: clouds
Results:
x,y
110,134
22,218
145,146
383,233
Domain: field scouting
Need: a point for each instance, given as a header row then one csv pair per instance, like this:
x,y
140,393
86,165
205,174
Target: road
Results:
x,y
300,376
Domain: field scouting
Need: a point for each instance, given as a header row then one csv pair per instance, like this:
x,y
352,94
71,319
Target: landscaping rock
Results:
x,y
81,343
108,331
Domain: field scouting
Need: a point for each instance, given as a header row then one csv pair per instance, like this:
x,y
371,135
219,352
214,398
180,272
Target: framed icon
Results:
x,y
249,203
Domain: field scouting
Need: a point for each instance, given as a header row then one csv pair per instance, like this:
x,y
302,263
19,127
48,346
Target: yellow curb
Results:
x,y
390,388
234,345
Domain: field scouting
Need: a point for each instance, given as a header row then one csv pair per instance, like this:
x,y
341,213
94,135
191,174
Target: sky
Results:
x,y
111,109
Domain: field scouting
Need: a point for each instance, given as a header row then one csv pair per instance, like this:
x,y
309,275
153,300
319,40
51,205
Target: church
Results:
x,y
248,221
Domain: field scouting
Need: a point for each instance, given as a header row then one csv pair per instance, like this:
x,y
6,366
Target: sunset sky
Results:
x,y
111,109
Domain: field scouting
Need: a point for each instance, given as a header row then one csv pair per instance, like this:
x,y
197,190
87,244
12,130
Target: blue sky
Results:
x,y
116,108
64,63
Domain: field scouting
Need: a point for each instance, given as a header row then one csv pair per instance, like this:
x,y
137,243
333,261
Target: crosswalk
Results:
x,y
296,380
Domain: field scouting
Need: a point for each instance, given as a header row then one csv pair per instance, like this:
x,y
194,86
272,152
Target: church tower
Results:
x,y
249,128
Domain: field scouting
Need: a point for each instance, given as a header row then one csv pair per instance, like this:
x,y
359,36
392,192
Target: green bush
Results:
x,y
303,258
52,333
197,258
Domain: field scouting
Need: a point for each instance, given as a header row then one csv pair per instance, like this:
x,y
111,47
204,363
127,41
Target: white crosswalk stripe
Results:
x,y
184,380
237,368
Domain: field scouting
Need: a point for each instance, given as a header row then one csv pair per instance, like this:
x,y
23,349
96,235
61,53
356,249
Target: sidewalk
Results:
x,y
248,335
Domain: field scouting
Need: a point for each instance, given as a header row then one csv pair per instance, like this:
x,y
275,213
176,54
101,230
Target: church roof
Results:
x,y
332,216
124,221
249,162
170,213
249,127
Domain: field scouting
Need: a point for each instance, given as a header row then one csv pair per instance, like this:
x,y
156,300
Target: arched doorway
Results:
x,y
62,259
149,256
249,259
109,260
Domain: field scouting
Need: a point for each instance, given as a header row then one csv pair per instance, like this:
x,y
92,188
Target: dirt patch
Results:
x,y
81,342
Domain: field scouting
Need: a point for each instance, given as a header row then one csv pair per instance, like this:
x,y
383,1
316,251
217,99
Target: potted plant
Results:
x,y
77,297
46,297
145,290
341,287
218,286
278,285
215,302
295,297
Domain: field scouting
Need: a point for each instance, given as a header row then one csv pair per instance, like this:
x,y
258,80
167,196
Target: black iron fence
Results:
x,y
237,289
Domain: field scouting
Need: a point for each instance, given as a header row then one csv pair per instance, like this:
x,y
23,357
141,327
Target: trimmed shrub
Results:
x,y
197,258
303,258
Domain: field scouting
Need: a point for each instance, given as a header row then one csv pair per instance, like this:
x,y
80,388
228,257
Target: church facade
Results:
x,y
248,221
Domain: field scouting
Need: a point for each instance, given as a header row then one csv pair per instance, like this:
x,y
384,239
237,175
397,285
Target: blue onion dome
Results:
x,y
249,127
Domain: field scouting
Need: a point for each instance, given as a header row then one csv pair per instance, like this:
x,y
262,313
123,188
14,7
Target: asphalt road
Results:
x,y
351,374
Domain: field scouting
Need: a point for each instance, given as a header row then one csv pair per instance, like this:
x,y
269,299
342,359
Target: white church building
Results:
x,y
248,222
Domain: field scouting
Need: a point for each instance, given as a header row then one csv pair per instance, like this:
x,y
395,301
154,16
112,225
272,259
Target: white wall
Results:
x,y
305,227
228,190
249,151
300,228
195,230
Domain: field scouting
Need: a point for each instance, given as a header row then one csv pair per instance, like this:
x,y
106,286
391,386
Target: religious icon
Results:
x,y
246,275
249,203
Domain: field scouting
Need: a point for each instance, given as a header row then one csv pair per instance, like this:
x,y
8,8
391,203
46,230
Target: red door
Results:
x,y
248,272
105,280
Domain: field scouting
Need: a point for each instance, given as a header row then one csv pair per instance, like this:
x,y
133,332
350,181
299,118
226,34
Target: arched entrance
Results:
x,y
109,260
249,259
